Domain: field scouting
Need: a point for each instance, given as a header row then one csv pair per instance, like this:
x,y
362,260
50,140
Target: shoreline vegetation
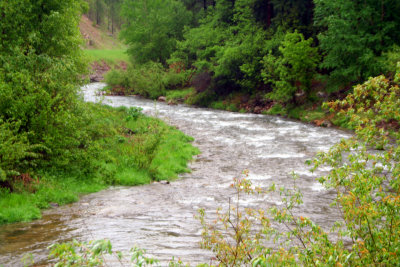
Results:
x,y
113,69
183,92
54,147
271,57
135,150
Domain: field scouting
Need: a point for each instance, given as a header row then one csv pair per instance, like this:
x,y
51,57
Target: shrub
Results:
x,y
293,70
117,78
367,186
15,151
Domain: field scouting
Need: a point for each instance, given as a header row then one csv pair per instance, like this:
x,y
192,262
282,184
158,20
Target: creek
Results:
x,y
160,217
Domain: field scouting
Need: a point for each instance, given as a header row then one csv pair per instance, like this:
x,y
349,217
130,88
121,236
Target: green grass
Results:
x,y
111,56
60,189
218,105
312,115
135,150
179,94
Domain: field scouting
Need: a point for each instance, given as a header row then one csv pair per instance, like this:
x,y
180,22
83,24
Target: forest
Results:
x,y
237,55
335,62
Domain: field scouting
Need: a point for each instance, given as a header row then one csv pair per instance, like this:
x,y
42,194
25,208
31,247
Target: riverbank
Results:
x,y
133,149
153,82
159,218
177,88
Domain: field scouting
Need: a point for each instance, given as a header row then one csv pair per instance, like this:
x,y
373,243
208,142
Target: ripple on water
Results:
x,y
160,218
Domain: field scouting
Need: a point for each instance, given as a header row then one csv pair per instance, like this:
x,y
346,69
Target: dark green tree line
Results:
x,y
239,45
355,35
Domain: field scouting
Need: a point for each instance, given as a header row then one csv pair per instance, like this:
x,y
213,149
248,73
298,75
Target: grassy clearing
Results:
x,y
111,56
136,150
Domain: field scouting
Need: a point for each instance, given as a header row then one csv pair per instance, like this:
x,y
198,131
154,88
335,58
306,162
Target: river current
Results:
x,y
160,217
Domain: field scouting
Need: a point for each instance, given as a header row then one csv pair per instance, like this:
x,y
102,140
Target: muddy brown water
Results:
x,y
160,218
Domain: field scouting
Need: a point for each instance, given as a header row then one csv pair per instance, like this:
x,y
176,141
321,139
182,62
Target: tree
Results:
x,y
153,28
356,35
293,70
41,114
114,7
41,27
294,14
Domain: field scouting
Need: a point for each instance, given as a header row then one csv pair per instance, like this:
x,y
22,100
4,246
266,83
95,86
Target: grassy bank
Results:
x,y
111,56
134,150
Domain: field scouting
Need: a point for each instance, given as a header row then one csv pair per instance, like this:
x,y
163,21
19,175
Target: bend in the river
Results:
x,y
160,218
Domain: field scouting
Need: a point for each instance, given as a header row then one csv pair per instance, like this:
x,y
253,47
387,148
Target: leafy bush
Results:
x,y
177,76
117,78
146,80
366,182
15,151
202,99
293,70
93,253
277,109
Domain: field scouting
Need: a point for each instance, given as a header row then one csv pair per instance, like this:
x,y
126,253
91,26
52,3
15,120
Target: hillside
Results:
x,y
98,37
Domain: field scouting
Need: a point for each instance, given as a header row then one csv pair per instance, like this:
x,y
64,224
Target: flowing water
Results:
x,y
160,218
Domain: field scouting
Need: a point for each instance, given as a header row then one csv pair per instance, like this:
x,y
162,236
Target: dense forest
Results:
x,y
264,56
277,52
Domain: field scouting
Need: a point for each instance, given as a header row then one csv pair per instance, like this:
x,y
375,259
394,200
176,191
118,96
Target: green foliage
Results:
x,y
356,34
293,70
117,78
15,151
294,14
202,99
242,46
41,27
228,43
40,63
153,29
149,80
177,76
132,149
218,105
146,80
179,94
93,253
366,182
134,113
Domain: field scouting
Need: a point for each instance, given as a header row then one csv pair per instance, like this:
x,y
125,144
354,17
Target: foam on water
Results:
x,y
160,218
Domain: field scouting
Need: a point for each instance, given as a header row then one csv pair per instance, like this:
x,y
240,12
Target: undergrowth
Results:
x,y
135,150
